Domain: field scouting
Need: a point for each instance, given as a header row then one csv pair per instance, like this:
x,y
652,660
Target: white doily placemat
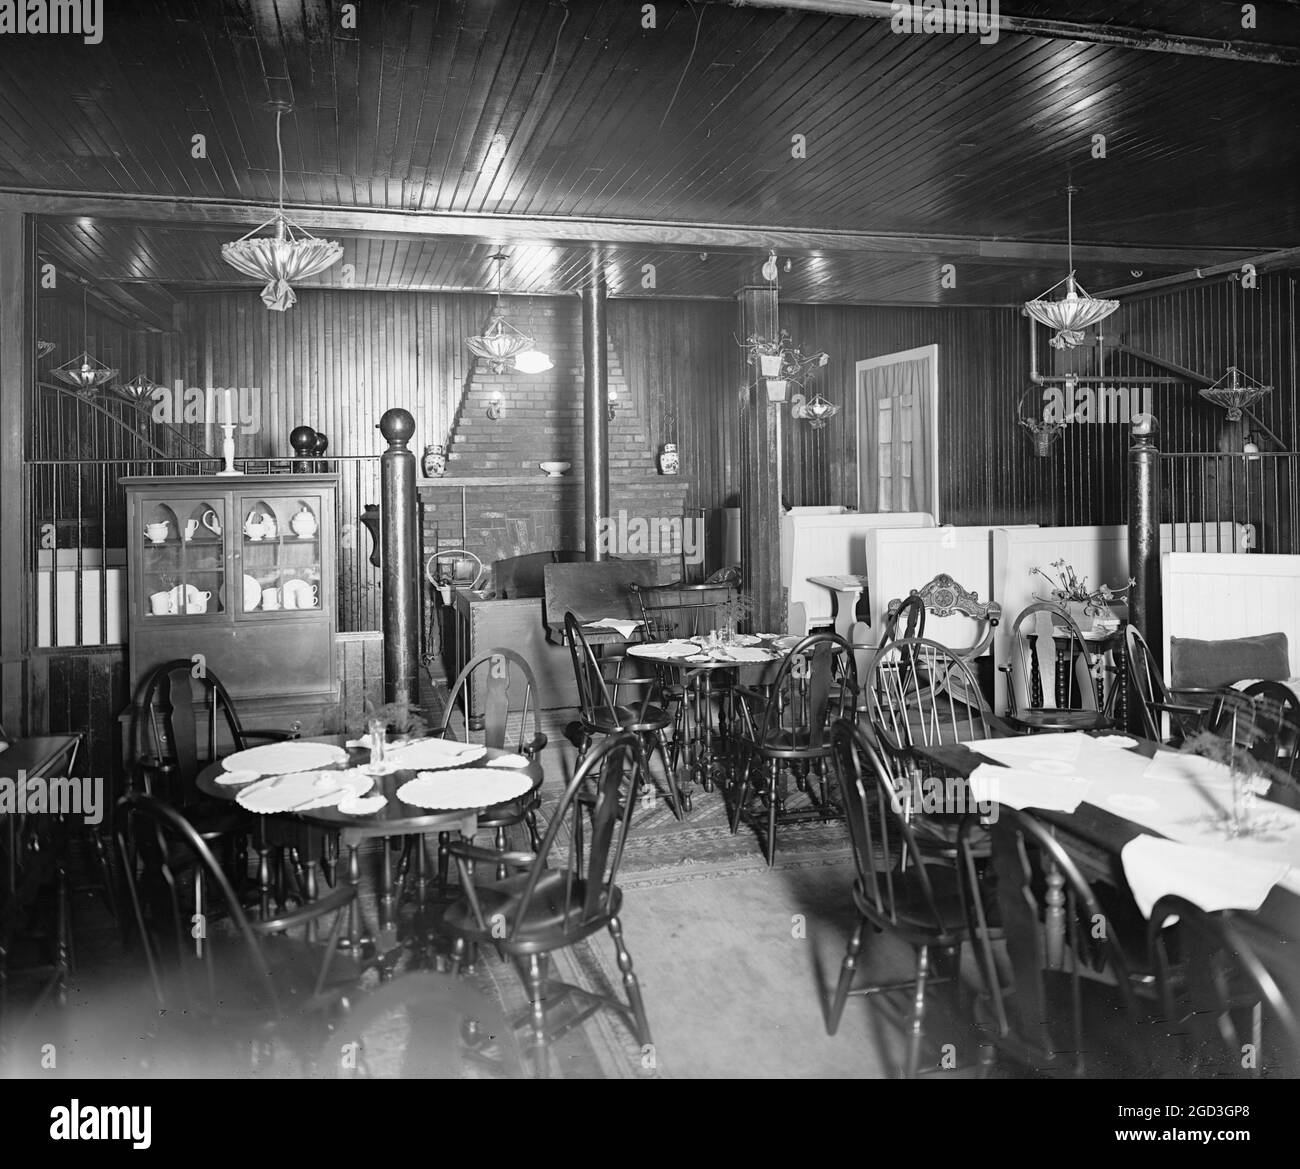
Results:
x,y
434,753
509,761
664,649
303,791
283,758
475,787
362,805
236,777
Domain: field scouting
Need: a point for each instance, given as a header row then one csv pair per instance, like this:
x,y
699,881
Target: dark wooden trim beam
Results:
x,y
500,229
1122,36
1284,258
17,342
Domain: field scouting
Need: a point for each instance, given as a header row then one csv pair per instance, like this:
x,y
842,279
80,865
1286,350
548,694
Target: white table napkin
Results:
x,y
1014,750
623,627
1021,789
1209,878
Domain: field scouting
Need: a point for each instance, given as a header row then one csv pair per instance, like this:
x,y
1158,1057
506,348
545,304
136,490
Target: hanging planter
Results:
x,y
778,389
769,364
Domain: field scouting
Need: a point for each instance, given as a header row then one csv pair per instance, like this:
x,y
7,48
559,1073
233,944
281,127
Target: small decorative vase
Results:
x,y
1080,614
669,463
435,461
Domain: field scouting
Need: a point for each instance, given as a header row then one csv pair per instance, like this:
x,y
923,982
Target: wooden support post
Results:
x,y
762,475
1145,606
401,570
595,414
17,345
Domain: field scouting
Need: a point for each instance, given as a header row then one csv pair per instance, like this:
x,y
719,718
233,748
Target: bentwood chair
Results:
x,y
1277,722
1222,1003
601,713
786,729
251,981
1190,710
1076,705
1074,1017
494,702
169,747
683,611
899,889
915,693
557,898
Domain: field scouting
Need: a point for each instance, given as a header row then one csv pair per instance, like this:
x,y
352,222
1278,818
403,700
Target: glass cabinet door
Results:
x,y
182,557
281,542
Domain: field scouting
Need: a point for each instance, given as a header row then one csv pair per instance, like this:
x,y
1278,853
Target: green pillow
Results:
x,y
1210,664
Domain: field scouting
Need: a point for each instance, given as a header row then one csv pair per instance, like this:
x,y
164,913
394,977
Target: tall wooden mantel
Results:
x,y
761,476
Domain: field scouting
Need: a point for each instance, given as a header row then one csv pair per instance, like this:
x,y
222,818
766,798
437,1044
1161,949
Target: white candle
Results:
x,y
228,416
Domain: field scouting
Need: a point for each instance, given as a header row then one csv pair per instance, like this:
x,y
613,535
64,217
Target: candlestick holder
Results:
x,y
228,449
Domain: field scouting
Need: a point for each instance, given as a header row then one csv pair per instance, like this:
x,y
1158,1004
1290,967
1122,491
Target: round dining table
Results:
x,y
695,670
396,818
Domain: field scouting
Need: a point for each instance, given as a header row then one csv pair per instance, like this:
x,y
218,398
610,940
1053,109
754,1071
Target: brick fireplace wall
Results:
x,y
511,507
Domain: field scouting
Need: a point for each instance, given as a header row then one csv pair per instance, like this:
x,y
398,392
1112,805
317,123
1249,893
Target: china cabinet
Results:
x,y
238,574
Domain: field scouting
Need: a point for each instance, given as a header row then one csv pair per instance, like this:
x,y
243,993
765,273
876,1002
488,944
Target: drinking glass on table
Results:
x,y
377,729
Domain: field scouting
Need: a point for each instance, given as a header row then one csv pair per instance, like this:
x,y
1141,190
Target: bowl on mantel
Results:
x,y
555,470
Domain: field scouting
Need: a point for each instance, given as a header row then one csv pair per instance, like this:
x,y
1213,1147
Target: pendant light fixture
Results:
x,y
1076,311
1236,391
290,253
501,344
138,390
44,349
85,373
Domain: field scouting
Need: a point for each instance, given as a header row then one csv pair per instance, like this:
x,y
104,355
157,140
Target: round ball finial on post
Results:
x,y
397,426
303,441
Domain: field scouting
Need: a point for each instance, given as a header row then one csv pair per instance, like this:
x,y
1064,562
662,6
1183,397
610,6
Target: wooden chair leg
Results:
x,y
681,805
630,983
847,970
536,980
917,1023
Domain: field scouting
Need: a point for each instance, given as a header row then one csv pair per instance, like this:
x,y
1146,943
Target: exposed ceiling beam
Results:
x,y
1124,36
1268,261
539,230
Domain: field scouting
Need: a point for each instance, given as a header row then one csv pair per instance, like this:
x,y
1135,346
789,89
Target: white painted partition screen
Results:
x,y
1218,595
829,541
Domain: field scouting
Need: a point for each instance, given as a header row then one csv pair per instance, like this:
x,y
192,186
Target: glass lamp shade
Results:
x,y
138,390
1070,316
1235,392
499,343
819,411
44,349
85,374
290,254
533,361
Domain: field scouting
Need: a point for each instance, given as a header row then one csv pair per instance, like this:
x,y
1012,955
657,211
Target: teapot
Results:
x,y
213,525
304,523
257,524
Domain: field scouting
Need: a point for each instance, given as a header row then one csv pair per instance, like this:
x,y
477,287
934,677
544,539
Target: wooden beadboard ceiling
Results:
x,y
575,112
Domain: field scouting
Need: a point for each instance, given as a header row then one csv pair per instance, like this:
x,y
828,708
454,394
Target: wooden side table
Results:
x,y
1113,704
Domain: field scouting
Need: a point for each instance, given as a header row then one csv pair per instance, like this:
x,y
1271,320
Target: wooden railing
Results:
x,y
1223,502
